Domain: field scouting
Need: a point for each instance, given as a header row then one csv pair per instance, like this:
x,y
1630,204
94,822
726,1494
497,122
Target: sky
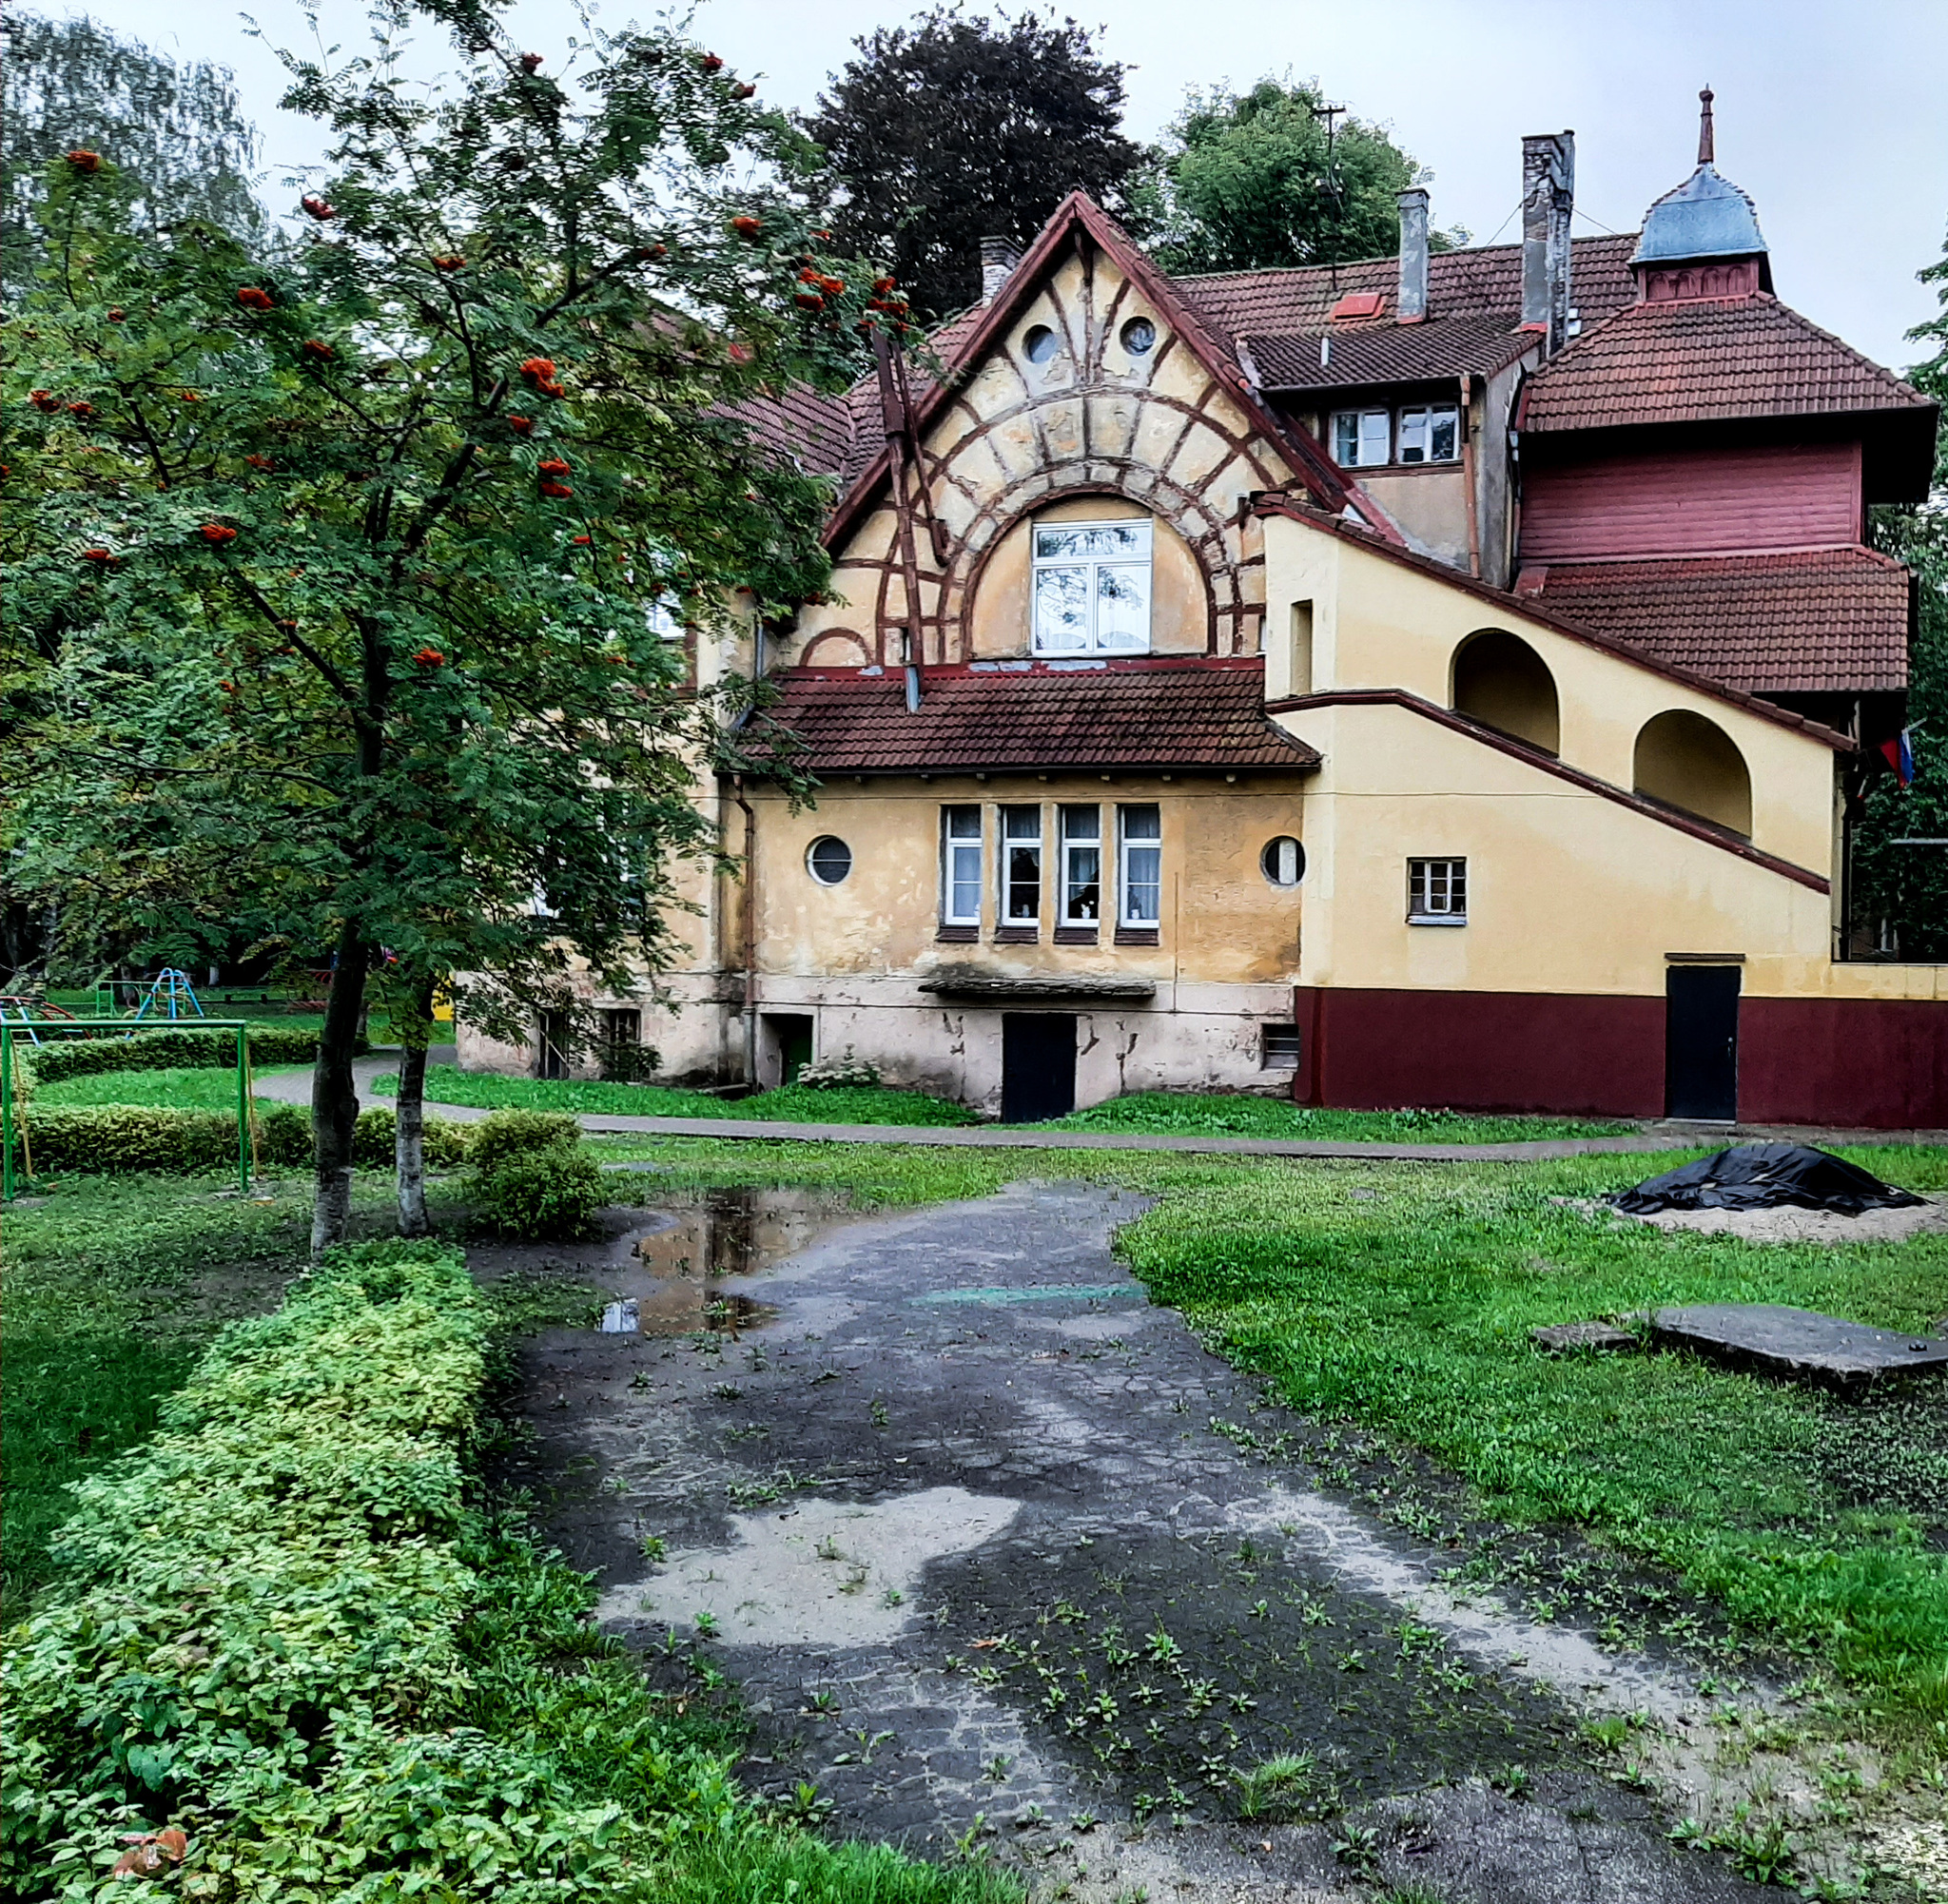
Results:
x,y
1828,111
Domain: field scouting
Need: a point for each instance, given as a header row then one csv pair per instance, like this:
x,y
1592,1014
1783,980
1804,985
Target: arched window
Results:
x,y
1502,682
1687,762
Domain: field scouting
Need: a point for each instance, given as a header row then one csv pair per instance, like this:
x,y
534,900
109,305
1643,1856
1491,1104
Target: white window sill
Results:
x,y
1436,919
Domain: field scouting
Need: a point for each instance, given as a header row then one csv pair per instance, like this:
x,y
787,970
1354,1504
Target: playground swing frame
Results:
x,y
11,1124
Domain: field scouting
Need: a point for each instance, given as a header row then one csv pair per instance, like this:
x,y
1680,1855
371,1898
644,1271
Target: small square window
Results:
x,y
1278,1047
1362,437
1429,432
1437,892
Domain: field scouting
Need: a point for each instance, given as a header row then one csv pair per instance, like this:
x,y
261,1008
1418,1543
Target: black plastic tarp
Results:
x,y
1764,1176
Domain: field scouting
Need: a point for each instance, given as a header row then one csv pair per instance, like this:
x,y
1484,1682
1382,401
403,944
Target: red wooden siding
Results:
x,y
1788,496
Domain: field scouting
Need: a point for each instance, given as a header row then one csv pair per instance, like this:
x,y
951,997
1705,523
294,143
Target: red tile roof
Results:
x,y
1162,712
1460,283
1707,359
1443,347
1797,622
816,430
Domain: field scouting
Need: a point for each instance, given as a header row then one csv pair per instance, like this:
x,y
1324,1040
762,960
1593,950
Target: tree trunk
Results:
x,y
409,1113
333,1095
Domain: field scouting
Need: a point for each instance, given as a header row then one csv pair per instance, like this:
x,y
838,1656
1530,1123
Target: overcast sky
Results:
x,y
1829,111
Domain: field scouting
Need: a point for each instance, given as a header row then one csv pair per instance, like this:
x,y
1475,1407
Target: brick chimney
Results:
x,y
1549,196
1411,308
999,256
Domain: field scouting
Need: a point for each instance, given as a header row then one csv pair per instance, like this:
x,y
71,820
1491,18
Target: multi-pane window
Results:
x,y
1142,883
1361,438
1437,892
959,849
1081,866
1429,432
1417,432
1020,865
1092,586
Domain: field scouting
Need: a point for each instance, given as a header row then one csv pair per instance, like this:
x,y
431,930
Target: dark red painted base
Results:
x,y
1866,1064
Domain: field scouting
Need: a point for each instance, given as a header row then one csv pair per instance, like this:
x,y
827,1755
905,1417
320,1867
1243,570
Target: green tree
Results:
x,y
1254,179
956,128
345,575
177,132
1903,890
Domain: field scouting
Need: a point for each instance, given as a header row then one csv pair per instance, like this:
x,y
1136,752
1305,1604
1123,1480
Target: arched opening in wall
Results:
x,y
1502,682
1687,762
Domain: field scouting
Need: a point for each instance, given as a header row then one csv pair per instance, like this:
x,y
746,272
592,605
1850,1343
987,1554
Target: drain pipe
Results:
x,y
749,931
1473,499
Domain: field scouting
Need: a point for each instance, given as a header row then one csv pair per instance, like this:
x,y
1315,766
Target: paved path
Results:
x,y
295,1088
992,1547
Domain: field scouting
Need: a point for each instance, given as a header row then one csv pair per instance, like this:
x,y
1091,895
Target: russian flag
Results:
x,y
1900,752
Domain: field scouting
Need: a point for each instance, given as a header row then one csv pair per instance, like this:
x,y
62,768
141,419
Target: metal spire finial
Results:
x,y
1706,152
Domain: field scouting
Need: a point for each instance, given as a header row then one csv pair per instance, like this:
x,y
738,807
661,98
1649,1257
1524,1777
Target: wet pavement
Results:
x,y
980,1536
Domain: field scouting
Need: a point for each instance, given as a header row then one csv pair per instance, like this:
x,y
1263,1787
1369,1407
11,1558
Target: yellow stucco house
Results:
x,y
1442,681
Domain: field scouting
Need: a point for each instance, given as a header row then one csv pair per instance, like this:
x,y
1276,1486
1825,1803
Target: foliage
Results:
x,y
177,132
515,1133
1216,1113
544,1195
846,1072
956,128
1906,888
169,1051
1252,179
283,1627
446,1143
850,1104
344,572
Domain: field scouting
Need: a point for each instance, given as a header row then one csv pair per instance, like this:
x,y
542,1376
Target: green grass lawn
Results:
x,y
795,1104
1226,1113
1399,1296
181,1089
1149,1113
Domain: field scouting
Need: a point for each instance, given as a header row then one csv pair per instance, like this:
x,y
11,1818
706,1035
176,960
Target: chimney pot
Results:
x,y
1412,307
999,256
1548,198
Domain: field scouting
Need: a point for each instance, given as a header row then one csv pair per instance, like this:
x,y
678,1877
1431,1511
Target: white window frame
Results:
x,y
1007,843
1076,848
1364,437
1130,846
1419,419
1437,891
962,844
1039,564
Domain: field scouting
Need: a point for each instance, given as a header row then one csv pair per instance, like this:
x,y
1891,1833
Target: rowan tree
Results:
x,y
344,576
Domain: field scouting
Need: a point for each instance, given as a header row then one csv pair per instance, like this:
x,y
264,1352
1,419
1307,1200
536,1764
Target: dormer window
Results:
x,y
1091,588
1429,432
1362,437
1416,432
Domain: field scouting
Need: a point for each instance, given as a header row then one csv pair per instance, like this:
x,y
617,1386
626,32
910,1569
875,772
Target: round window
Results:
x,y
829,859
1040,343
1139,337
1283,861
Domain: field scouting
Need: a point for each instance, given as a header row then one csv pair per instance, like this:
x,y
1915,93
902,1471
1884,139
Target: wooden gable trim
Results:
x,y
1546,762
1077,219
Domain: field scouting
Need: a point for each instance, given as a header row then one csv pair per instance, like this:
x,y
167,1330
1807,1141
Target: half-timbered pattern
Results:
x,y
1439,680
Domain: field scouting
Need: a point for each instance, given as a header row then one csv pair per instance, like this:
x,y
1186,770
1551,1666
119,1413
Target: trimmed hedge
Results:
x,y
113,1138
168,1050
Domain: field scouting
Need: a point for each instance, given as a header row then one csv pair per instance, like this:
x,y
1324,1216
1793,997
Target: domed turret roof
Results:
x,y
1705,217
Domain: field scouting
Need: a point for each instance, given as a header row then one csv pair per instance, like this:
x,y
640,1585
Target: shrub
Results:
x,y
544,1193
510,1133
113,1138
168,1050
838,1074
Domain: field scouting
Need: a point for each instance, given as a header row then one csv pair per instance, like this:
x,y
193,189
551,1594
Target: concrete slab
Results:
x,y
1559,1339
1801,1344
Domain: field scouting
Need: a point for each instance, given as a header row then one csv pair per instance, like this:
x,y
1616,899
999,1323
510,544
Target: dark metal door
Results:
x,y
1701,1042
1038,1066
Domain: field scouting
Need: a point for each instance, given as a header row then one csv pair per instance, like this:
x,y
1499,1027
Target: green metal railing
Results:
x,y
9,1125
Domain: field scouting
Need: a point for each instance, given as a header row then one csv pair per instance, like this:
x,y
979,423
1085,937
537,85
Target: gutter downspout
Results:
x,y
1468,473
748,927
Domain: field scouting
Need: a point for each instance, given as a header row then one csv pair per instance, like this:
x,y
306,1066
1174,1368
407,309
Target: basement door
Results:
x,y
1038,1066
1701,1042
